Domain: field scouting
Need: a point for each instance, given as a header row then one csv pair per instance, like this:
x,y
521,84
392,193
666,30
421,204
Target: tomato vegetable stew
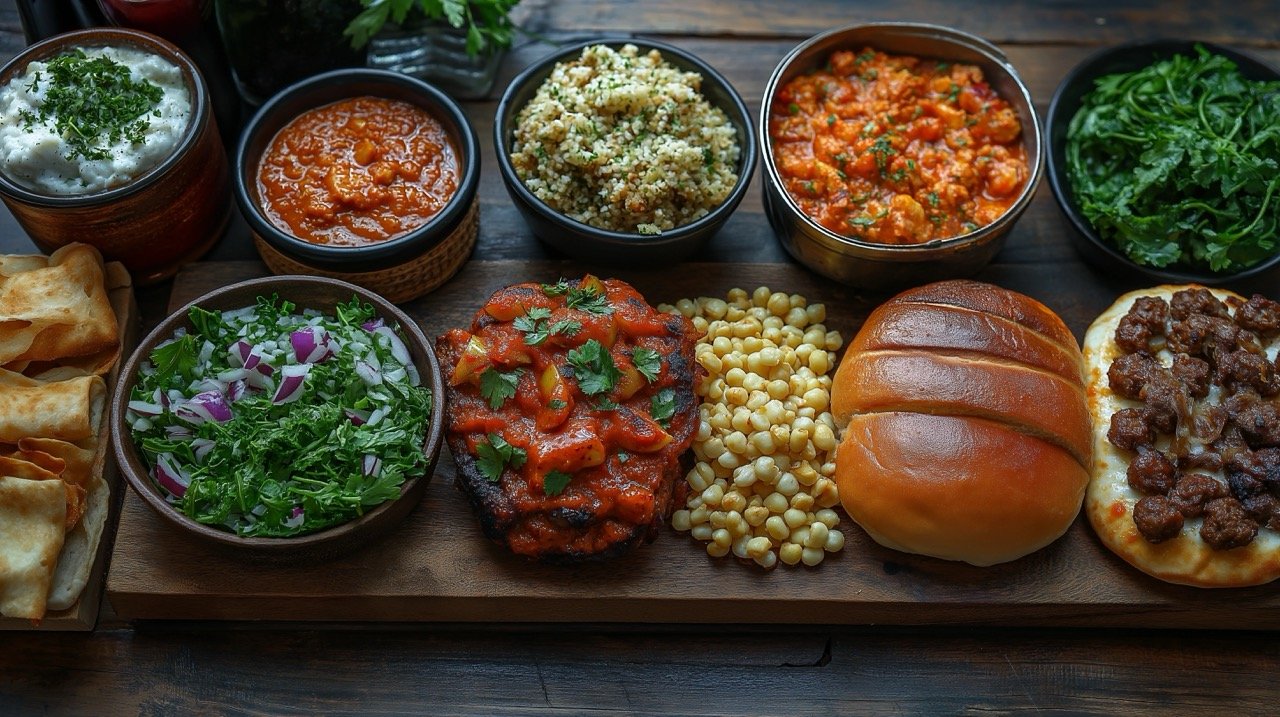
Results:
x,y
897,149
357,172
568,409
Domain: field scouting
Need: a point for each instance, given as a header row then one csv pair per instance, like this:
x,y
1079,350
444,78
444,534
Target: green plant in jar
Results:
x,y
486,22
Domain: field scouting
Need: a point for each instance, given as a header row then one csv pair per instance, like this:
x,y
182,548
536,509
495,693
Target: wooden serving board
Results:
x,y
438,567
83,615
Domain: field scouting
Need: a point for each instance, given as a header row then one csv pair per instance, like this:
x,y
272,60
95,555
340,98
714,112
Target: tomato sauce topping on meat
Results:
x,y
897,149
569,407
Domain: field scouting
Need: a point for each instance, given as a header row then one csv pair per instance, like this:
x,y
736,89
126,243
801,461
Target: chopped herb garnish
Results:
x,y
648,362
495,455
560,288
793,108
604,403
536,328
179,356
933,198
593,368
663,406
556,404
623,456
831,119
588,300
555,482
95,103
497,386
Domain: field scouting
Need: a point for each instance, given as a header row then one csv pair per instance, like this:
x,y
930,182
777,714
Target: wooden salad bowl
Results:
x,y
306,292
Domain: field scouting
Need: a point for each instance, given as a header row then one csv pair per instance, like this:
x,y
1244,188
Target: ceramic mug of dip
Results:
x,y
149,185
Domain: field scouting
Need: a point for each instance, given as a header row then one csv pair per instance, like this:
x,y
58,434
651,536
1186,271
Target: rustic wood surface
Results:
x,y
157,667
437,566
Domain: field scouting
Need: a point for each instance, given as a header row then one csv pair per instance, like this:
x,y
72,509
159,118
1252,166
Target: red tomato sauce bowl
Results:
x,y
387,201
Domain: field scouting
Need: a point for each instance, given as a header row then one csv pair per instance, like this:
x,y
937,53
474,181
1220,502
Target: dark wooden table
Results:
x,y
250,668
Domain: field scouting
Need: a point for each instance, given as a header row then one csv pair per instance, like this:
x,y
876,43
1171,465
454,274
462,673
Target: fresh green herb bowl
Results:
x,y
306,292
1064,106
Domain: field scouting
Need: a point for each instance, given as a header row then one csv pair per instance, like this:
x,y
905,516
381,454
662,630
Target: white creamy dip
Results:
x,y
36,155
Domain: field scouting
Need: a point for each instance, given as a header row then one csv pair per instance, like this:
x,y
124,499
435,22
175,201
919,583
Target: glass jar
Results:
x,y
437,53
272,43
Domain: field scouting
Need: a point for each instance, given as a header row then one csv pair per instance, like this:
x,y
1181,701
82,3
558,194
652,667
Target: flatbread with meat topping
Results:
x,y
1184,392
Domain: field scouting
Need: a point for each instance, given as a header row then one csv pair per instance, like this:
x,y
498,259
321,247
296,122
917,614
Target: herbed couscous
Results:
x,y
623,141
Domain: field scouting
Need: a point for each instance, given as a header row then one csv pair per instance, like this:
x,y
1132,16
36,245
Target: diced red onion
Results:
x,y
170,475
260,381
311,345
235,390
206,385
239,353
233,374
357,417
373,324
253,358
206,406
398,349
176,431
146,408
372,465
201,448
370,375
292,379
295,519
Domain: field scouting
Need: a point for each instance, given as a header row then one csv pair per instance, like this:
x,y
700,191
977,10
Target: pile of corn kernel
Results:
x,y
763,486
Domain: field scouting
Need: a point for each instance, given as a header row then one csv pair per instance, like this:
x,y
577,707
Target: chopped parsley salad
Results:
x,y
270,422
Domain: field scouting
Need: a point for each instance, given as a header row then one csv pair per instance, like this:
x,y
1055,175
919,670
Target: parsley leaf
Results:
x,y
648,362
556,404
494,456
566,327
497,386
560,288
555,482
589,300
663,406
178,356
593,368
534,325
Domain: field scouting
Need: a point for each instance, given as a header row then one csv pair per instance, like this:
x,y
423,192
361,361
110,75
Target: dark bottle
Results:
x,y
46,18
271,43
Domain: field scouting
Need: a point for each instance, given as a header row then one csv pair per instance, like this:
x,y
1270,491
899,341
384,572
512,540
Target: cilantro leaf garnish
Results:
x,y
560,288
593,368
495,455
555,482
497,386
535,326
663,406
565,327
177,356
556,404
648,362
589,300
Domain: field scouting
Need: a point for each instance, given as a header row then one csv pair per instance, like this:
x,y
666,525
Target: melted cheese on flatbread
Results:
x,y
1109,500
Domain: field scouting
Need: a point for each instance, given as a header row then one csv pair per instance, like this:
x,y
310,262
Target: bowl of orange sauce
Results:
x,y
895,154
363,175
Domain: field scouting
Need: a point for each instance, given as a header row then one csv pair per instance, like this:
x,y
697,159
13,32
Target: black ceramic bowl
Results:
x,y
1065,104
398,268
586,242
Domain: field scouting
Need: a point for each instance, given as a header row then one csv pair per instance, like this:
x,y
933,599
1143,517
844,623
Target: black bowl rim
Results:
x,y
748,155
122,444
102,37
413,242
979,236
1162,47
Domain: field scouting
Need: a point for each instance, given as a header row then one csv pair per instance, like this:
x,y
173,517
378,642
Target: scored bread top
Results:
x,y
965,348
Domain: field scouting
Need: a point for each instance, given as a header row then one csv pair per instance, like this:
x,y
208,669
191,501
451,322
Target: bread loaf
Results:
x,y
967,436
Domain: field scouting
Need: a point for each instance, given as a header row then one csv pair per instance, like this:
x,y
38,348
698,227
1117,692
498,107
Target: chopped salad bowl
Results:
x,y
314,506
